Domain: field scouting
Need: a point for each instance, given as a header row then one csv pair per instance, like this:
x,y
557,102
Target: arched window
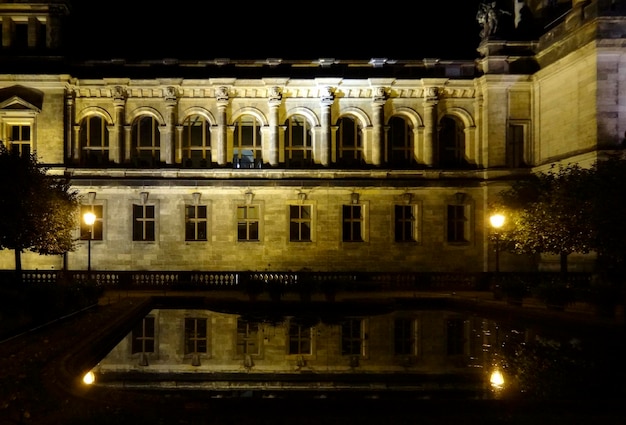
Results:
x,y
451,143
247,149
94,142
145,142
298,149
349,147
400,152
196,142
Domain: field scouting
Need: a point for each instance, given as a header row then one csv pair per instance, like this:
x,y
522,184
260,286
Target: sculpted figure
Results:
x,y
487,17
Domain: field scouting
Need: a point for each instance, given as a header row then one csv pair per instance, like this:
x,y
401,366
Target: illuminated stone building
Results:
x,y
324,165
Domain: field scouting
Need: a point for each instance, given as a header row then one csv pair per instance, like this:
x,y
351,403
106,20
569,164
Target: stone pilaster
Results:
x,y
275,99
431,98
70,137
116,143
378,101
221,94
326,101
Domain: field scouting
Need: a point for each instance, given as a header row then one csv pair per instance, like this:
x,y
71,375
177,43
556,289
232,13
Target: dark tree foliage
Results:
x,y
38,212
551,213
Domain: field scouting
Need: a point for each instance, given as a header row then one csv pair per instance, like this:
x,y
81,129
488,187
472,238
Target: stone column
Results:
x,y
75,141
167,138
70,140
327,99
275,98
221,94
431,98
127,146
378,101
116,142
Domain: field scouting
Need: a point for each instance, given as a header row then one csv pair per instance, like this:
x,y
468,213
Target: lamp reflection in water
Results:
x,y
497,221
89,378
496,379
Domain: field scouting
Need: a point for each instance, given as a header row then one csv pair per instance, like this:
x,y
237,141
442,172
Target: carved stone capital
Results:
x,y
431,93
169,93
275,95
379,94
327,95
118,93
221,93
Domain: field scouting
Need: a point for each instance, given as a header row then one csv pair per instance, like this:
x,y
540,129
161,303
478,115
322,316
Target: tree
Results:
x,y
609,177
38,212
551,213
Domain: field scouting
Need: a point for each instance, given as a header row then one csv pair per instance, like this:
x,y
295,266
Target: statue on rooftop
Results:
x,y
488,17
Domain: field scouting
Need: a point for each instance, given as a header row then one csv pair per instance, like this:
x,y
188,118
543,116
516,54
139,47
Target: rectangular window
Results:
x,y
352,337
20,139
195,335
457,223
405,223
95,231
247,338
21,35
299,339
143,336
405,336
300,223
515,146
352,223
195,222
247,223
144,222
455,336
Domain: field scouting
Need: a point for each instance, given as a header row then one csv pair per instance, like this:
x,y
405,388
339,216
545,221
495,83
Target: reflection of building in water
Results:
x,y
420,341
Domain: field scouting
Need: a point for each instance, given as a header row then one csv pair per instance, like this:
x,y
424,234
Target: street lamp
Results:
x,y
497,221
89,218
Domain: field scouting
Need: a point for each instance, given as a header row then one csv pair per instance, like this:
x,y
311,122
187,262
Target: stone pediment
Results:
x,y
21,98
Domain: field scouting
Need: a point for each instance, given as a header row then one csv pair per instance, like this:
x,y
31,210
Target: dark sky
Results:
x,y
290,30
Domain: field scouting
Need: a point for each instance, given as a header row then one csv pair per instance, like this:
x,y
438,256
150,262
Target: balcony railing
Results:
x,y
290,281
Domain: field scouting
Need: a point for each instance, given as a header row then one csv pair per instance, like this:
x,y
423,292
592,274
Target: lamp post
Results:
x,y
89,218
497,221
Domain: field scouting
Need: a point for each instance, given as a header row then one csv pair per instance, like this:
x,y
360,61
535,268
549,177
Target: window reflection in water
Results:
x,y
416,353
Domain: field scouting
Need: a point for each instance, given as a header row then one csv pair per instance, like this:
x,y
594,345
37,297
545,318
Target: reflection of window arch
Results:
x,y
400,143
349,145
247,149
94,141
196,142
451,143
298,149
145,141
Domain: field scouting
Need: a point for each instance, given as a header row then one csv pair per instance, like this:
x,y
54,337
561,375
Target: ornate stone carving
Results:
x,y
488,16
221,93
275,94
379,94
327,94
169,93
431,93
118,93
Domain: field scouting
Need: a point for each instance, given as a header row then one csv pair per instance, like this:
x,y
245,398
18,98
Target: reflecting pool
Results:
x,y
359,351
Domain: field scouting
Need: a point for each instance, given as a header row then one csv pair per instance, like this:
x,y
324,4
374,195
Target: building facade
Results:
x,y
324,165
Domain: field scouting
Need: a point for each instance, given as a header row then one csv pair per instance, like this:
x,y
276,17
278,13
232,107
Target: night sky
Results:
x,y
287,30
